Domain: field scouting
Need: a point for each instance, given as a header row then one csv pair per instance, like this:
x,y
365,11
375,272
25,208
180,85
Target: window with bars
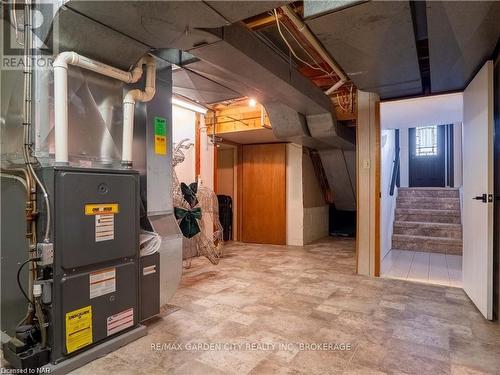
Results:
x,y
426,141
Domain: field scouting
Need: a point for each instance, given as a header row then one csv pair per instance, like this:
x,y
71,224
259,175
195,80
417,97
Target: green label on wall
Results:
x,y
160,126
160,136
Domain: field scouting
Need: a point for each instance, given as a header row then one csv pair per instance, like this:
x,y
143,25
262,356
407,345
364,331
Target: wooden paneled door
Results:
x,y
264,193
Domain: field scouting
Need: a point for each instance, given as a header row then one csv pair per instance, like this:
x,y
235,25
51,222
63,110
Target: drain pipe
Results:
x,y
129,108
61,93
304,30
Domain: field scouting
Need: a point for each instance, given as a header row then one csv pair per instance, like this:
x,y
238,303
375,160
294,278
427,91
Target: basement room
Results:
x,y
250,187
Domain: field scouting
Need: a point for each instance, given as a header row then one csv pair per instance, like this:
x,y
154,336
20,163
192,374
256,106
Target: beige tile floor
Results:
x,y
293,296
433,268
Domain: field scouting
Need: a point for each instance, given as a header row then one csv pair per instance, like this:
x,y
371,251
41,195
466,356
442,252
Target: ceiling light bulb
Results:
x,y
252,102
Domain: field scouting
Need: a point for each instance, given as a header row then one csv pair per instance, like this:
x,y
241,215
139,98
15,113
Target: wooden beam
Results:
x,y
368,184
260,22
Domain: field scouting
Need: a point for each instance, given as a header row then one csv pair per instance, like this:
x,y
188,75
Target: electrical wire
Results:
x,y
318,67
16,178
46,237
13,20
150,242
27,94
292,50
349,103
330,74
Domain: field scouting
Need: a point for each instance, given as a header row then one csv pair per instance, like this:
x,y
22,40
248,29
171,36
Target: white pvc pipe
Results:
x,y
61,92
334,87
61,113
128,133
302,27
129,107
72,58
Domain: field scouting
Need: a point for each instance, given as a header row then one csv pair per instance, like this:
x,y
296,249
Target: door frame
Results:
x,y
496,182
442,129
368,189
236,185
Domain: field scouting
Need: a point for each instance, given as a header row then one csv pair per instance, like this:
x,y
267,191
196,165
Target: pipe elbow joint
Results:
x,y
131,96
136,73
149,60
148,94
64,58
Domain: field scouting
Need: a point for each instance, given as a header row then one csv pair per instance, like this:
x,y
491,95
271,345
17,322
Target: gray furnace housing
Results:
x,y
79,254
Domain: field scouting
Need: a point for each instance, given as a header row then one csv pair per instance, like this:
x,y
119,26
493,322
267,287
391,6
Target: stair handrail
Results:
x,y
395,170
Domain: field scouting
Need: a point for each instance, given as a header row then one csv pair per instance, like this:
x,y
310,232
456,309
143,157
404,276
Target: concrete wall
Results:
x,y
294,196
307,213
183,126
316,211
388,202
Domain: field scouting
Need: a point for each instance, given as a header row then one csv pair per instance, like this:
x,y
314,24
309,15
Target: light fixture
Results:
x,y
252,102
189,105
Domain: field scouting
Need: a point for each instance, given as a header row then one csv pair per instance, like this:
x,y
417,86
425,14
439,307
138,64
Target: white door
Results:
x,y
478,180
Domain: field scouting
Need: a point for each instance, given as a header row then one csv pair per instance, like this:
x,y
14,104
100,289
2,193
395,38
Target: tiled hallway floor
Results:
x,y
263,295
434,268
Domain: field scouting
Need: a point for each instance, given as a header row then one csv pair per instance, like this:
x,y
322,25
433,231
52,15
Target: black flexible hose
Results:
x,y
19,281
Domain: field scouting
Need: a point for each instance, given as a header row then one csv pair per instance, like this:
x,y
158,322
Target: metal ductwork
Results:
x,y
204,30
340,169
299,111
255,69
227,54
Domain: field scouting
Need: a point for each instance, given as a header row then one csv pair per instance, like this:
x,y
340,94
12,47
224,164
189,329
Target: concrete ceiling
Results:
x,y
375,45
234,11
375,42
158,24
198,88
149,24
462,36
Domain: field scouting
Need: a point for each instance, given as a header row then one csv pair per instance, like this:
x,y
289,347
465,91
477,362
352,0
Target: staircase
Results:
x,y
428,219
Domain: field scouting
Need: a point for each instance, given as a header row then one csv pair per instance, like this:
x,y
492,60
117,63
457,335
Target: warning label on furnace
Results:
x,y
78,328
120,321
101,208
104,227
102,282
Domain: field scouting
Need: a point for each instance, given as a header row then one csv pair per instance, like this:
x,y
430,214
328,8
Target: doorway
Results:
x,y
226,175
427,164
421,237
